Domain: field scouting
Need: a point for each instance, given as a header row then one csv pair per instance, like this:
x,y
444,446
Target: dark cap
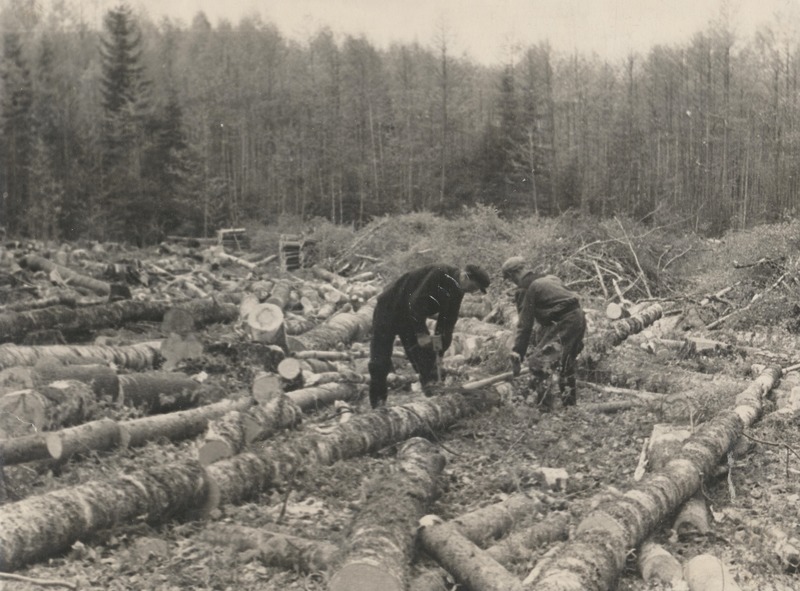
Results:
x,y
479,276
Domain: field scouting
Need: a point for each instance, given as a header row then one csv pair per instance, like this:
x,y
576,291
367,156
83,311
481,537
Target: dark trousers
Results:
x,y
567,331
386,325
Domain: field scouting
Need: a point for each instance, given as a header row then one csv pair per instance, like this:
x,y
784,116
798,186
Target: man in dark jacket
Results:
x,y
403,308
544,299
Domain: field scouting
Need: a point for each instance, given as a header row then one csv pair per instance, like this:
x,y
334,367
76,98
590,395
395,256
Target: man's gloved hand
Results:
x,y
516,363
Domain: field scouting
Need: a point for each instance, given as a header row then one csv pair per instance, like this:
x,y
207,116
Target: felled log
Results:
x,y
37,263
343,327
134,357
693,518
380,544
280,294
62,298
75,322
241,476
324,355
233,432
102,435
658,565
333,278
273,548
42,525
323,395
707,573
296,325
594,557
470,565
492,522
102,379
553,528
596,345
175,426
59,404
158,392
26,448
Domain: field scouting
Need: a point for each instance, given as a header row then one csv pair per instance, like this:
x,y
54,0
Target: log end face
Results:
x,y
213,451
55,446
361,576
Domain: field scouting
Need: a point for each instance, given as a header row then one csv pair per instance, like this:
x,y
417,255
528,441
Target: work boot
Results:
x,y
569,392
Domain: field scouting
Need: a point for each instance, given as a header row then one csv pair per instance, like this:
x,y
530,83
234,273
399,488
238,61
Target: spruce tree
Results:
x,y
17,97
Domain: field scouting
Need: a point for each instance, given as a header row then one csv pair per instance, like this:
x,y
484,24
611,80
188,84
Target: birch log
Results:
x,y
273,548
136,357
42,525
344,327
233,432
37,263
471,566
242,476
380,544
158,392
102,379
594,557
75,322
60,404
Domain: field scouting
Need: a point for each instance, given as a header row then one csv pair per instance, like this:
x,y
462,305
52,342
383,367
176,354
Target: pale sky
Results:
x,y
485,29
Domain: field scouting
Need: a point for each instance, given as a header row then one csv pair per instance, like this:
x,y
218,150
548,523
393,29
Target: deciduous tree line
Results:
x,y
140,129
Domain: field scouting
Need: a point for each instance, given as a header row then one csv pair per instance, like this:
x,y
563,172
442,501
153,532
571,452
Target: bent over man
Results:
x,y
403,308
544,299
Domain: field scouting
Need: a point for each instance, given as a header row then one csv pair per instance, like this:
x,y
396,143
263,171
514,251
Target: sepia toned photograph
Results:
x,y
383,295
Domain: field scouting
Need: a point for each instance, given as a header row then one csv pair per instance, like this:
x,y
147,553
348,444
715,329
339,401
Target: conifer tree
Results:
x,y
15,111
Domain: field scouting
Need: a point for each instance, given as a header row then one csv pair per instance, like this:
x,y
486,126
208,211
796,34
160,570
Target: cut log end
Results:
x,y
213,451
289,369
55,446
360,575
266,386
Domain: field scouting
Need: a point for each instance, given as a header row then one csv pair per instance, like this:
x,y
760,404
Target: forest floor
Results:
x,y
489,457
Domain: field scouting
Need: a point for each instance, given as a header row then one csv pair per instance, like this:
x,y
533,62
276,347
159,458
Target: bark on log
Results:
x,y
242,476
380,544
275,549
176,426
597,345
471,566
136,357
101,378
27,448
553,528
324,355
693,518
37,263
494,521
40,526
158,392
233,432
344,327
594,557
280,294
321,396
59,404
76,322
